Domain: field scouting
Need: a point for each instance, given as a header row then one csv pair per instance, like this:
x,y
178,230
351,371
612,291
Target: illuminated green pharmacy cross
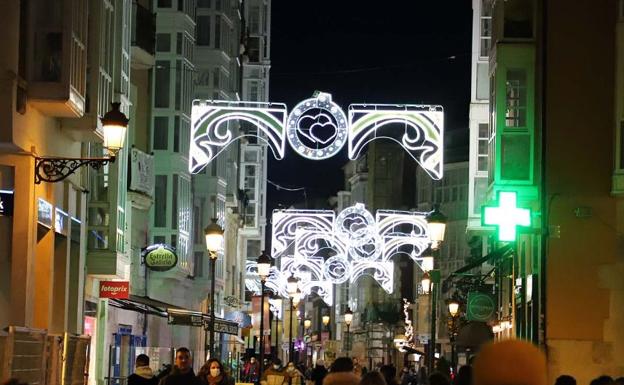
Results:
x,y
506,216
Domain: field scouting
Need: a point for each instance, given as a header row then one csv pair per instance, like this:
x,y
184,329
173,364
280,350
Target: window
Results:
x,y
216,78
203,30
217,43
181,5
161,84
178,84
254,19
482,150
203,3
482,81
164,3
160,201
176,134
199,264
163,42
174,202
179,43
160,140
516,103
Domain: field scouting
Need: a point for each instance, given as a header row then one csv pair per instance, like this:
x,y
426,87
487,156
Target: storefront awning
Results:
x,y
175,315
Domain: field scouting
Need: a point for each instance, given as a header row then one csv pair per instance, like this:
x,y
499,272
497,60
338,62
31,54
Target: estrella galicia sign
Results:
x,y
160,257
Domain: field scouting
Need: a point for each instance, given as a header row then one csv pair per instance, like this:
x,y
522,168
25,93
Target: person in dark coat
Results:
x,y
212,373
182,373
143,374
319,372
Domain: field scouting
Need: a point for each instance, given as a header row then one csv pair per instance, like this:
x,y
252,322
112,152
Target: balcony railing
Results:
x,y
143,28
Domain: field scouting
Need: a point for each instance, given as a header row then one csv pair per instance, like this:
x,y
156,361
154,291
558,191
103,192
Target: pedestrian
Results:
x,y
510,362
182,373
389,374
357,368
143,374
275,374
294,376
212,373
619,381
319,372
372,378
341,374
565,380
251,370
341,364
438,378
406,376
602,380
464,376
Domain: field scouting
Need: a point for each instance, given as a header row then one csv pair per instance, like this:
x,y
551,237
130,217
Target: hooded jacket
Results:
x,y
142,375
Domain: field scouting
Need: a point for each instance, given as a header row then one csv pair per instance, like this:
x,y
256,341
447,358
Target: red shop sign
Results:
x,y
114,289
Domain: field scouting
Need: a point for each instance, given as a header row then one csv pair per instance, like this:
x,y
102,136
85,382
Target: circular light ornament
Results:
x,y
337,269
317,122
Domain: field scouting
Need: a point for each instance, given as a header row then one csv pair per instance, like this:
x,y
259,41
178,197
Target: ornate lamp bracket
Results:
x,y
57,169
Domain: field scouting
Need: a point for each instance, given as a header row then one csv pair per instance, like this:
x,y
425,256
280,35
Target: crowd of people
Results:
x,y
509,362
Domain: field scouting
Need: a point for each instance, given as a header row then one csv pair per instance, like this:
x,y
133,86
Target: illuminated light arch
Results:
x,y
422,136
322,249
317,128
210,134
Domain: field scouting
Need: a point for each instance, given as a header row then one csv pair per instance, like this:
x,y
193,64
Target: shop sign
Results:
x,y
185,317
115,289
6,203
225,327
61,221
141,172
45,212
481,307
160,257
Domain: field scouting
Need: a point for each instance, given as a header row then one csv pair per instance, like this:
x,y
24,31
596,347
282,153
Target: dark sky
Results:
x,y
404,52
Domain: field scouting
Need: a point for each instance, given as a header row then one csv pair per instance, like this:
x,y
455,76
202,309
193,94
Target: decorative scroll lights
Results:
x,y
317,128
322,249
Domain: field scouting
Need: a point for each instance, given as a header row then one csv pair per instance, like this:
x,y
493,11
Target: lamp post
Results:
x,y
264,268
56,169
294,294
453,308
348,318
278,306
214,243
436,226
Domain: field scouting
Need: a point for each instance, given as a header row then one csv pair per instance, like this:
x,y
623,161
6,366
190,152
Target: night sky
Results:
x,y
405,52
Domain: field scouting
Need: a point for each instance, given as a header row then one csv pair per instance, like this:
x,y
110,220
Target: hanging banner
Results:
x,y
115,289
141,172
255,306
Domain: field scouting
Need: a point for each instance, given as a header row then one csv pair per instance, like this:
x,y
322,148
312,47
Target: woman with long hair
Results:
x,y
212,373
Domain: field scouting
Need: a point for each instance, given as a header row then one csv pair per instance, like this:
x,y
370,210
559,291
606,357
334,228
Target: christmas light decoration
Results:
x,y
213,129
317,128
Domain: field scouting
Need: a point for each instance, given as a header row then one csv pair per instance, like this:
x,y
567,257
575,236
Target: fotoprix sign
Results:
x,y
115,289
160,257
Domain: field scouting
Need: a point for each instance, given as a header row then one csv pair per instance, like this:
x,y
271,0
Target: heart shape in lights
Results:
x,y
322,130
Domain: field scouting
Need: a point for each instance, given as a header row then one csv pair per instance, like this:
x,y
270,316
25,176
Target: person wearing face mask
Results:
x,y
275,374
212,373
250,370
293,375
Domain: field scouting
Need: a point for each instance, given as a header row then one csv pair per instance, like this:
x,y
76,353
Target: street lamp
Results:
x,y
453,307
295,295
326,320
55,169
307,324
436,224
214,243
264,268
348,318
277,302
425,283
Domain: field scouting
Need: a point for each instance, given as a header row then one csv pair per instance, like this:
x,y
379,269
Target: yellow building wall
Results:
x,y
584,291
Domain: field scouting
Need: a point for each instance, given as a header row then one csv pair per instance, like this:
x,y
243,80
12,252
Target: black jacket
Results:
x,y
318,374
135,379
177,378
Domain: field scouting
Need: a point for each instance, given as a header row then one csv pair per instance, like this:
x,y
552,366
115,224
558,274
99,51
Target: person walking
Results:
x,y
143,374
275,374
251,370
182,373
319,372
341,373
293,375
373,378
212,373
